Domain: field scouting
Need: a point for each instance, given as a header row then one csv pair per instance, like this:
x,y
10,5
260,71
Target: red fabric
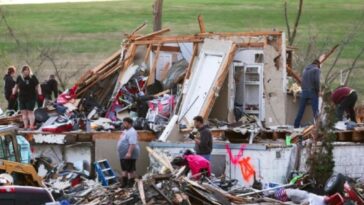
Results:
x,y
339,94
197,163
66,96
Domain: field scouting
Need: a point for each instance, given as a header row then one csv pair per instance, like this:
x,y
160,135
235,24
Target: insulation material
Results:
x,y
211,59
49,138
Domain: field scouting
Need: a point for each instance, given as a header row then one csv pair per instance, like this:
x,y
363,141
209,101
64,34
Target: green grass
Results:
x,y
97,28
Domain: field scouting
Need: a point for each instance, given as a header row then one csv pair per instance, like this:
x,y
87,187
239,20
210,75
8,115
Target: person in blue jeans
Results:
x,y
310,91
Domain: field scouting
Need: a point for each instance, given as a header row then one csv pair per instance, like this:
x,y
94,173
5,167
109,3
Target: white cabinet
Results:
x,y
253,101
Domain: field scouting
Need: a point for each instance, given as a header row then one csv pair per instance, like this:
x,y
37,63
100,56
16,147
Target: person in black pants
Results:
x,y
27,85
49,90
9,80
344,98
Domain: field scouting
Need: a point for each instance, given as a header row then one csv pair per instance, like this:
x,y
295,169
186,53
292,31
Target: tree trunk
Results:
x,y
157,15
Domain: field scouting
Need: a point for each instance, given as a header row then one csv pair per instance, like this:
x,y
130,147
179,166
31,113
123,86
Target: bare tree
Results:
x,y
292,34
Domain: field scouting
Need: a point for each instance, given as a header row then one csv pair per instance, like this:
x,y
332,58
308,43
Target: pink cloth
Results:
x,y
197,163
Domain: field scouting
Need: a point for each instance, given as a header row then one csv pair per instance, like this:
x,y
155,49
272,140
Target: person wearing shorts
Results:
x,y
27,86
129,151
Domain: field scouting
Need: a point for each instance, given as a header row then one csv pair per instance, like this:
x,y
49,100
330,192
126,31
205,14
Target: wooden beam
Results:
x,y
292,73
194,54
201,24
251,45
329,53
138,29
167,48
147,53
152,73
156,33
160,159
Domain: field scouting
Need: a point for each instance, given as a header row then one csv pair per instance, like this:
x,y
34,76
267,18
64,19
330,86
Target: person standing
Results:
x,y
27,86
310,91
10,82
344,98
203,139
129,151
49,89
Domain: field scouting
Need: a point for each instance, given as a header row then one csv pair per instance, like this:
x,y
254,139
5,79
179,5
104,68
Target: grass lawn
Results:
x,y
92,31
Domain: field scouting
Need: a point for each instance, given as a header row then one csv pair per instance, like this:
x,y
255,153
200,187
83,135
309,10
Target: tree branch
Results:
x,y
353,66
298,17
287,21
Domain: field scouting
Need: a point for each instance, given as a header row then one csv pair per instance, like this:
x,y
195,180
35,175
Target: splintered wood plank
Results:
x,y
152,73
141,191
147,53
156,33
194,54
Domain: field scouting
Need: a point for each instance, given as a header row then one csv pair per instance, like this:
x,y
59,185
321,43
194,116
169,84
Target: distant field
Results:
x,y
90,32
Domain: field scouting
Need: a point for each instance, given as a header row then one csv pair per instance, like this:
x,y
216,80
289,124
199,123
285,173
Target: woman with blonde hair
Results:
x,y
10,82
27,86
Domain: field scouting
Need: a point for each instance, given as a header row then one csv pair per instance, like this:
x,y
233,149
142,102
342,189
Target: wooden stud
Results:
x,y
152,73
194,54
201,24
292,73
146,57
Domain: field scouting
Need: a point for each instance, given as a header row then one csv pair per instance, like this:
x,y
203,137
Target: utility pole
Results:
x,y
157,15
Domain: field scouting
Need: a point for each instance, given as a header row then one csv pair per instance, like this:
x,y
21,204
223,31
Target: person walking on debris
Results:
x,y
49,88
203,139
128,149
310,90
27,85
344,98
10,82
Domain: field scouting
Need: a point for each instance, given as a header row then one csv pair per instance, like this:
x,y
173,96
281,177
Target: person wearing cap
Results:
x,y
10,82
344,98
310,91
203,138
27,86
129,151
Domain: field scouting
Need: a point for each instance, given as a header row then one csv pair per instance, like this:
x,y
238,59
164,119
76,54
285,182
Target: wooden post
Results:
x,y
201,24
157,15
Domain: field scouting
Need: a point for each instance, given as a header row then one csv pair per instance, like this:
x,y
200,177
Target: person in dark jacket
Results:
x,y
27,86
310,90
203,139
49,89
344,98
9,80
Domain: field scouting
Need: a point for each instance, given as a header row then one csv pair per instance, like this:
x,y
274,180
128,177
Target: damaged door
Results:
x,y
204,78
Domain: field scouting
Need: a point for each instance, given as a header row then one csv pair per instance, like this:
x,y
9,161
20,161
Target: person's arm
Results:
x,y
55,89
132,143
316,80
39,89
15,89
130,151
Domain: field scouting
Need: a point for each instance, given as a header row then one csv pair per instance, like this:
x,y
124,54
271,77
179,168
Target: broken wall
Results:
x,y
274,87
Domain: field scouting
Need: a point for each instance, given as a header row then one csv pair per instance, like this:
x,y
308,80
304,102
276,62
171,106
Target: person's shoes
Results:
x,y
124,182
131,183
